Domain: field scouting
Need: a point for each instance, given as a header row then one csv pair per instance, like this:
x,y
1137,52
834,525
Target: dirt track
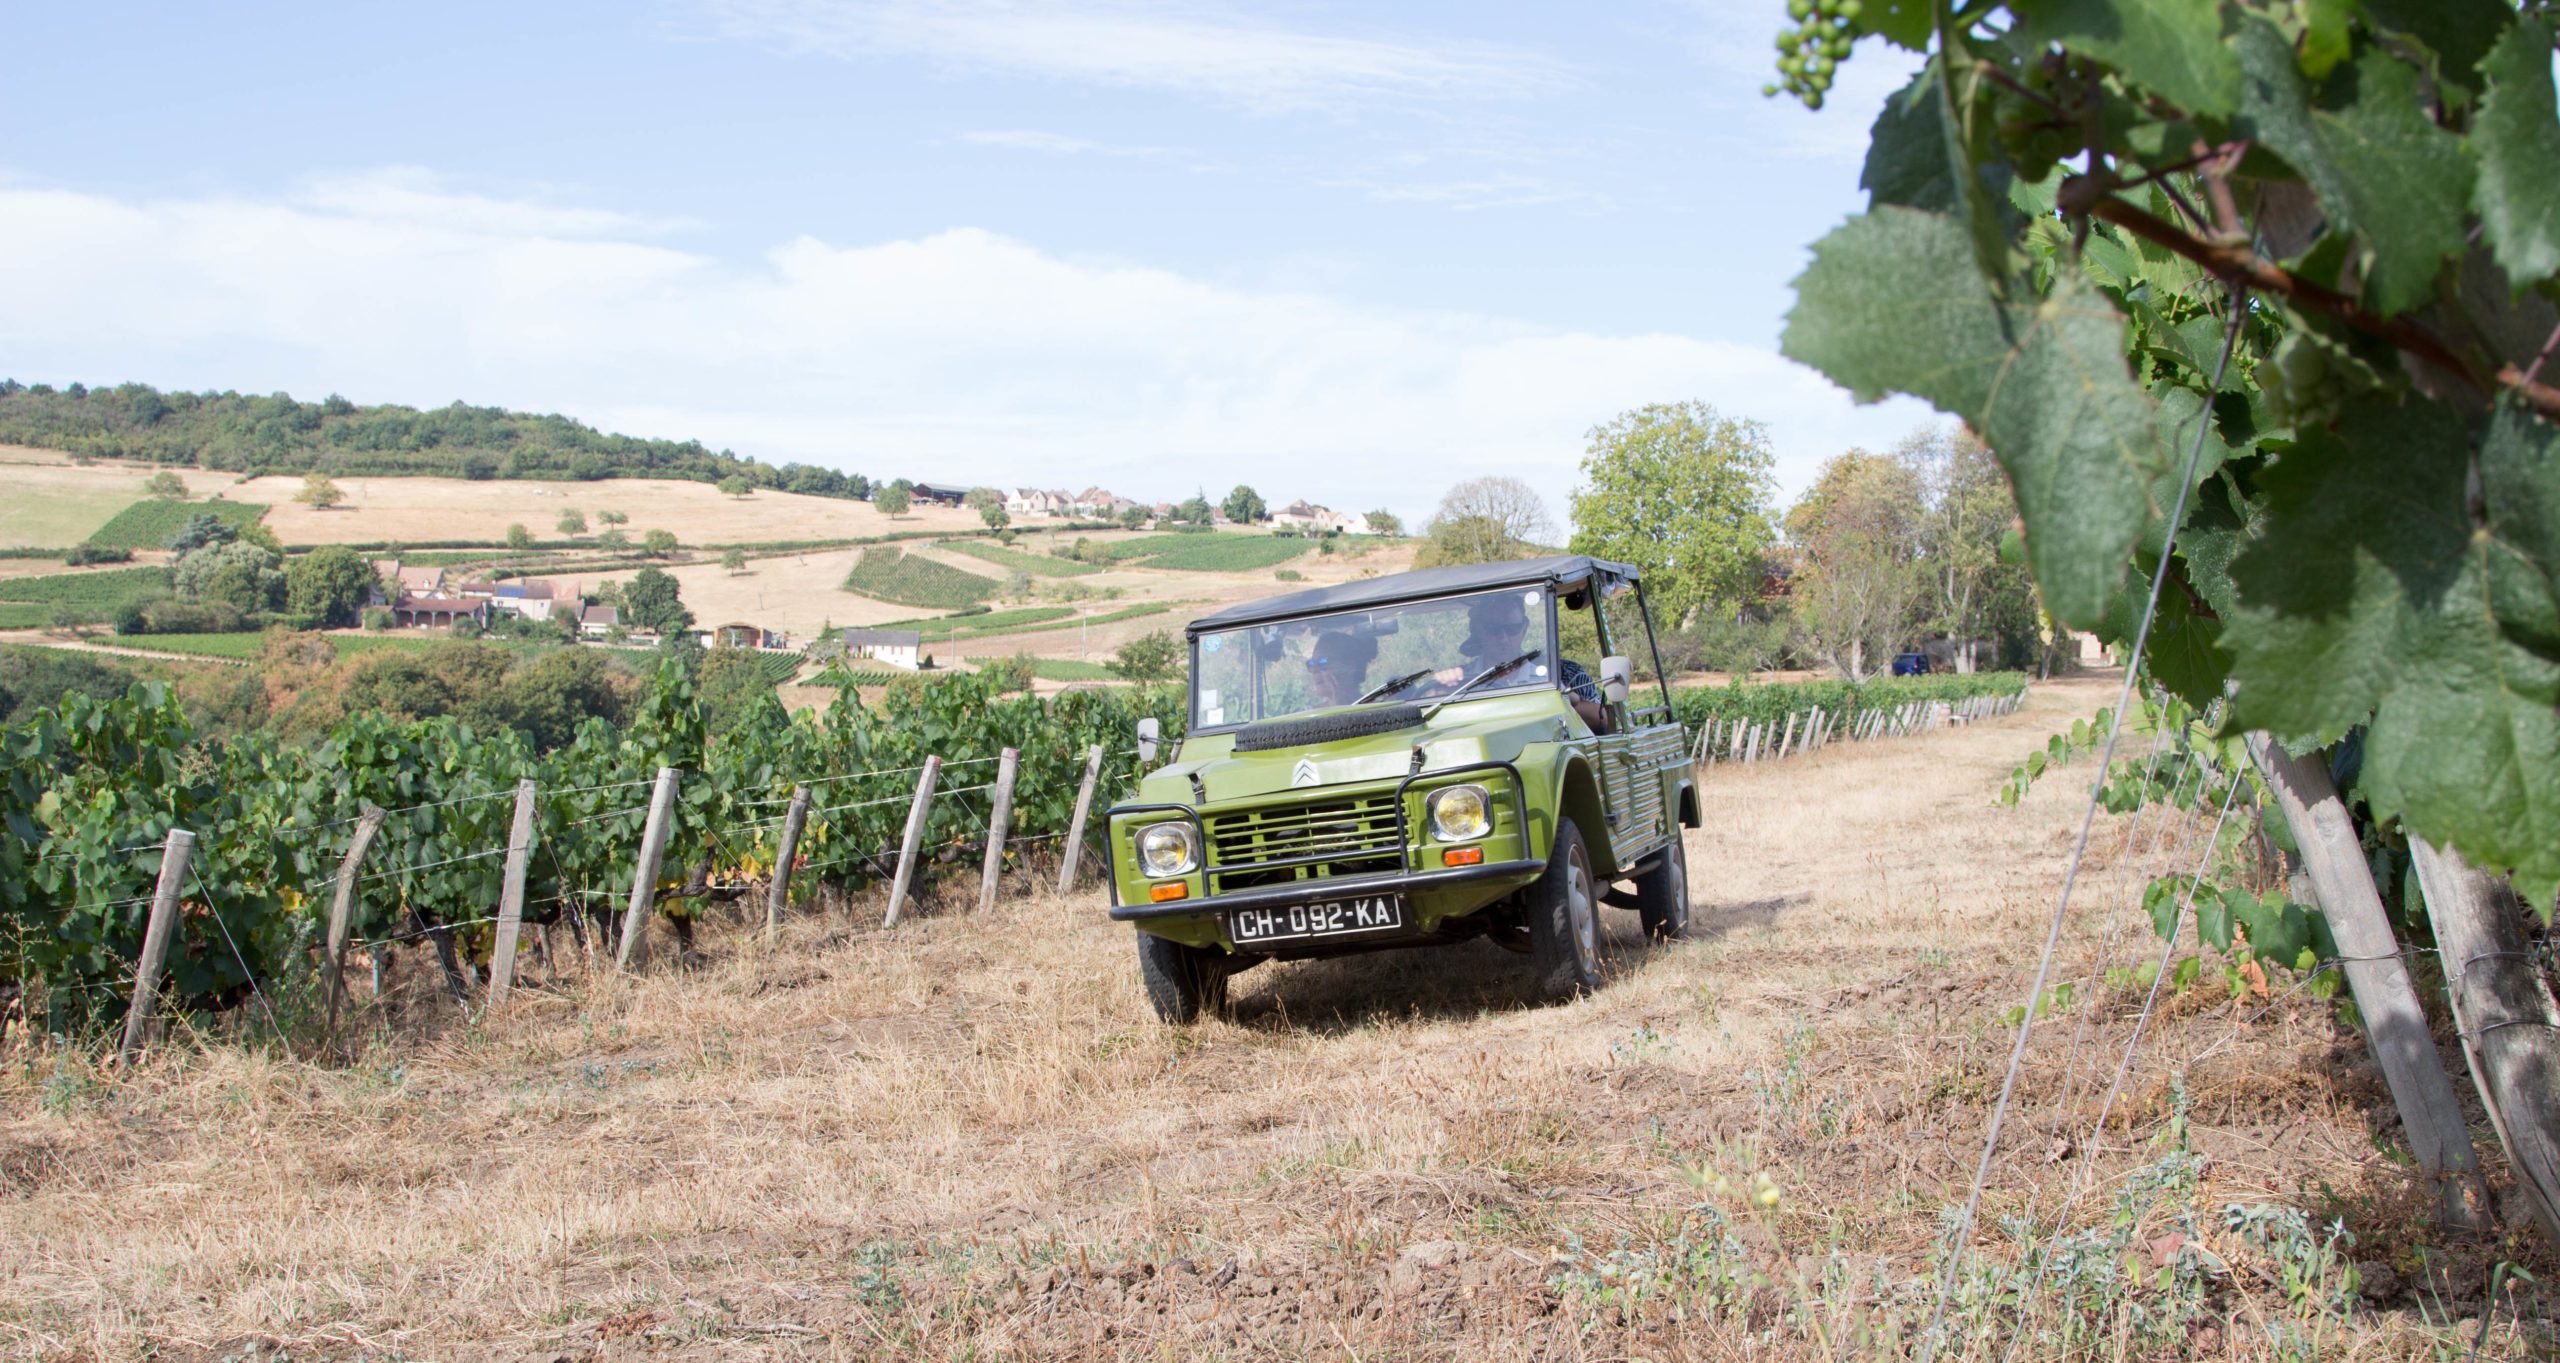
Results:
x,y
969,1139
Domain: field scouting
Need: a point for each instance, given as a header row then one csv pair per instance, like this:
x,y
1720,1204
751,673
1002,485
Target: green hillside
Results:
x,y
273,433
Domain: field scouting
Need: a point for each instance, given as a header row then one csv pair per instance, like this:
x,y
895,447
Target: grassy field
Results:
x,y
1015,560
149,523
968,1138
894,575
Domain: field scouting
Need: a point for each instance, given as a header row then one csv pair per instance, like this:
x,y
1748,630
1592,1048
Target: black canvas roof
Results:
x,y
1561,569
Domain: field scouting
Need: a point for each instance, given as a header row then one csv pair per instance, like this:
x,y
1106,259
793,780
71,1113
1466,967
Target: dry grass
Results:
x,y
968,1138
52,503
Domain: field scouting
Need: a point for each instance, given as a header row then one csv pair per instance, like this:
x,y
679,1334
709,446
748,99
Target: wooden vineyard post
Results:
x,y
342,909
2504,1012
1787,744
644,880
917,813
502,951
1075,830
174,854
2343,883
777,896
999,823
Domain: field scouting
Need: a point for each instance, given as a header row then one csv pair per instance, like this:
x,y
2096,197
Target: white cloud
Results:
x,y
1191,49
1032,139
959,356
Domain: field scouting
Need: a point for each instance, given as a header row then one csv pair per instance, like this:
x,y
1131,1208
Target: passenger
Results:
x,y
1339,667
1499,633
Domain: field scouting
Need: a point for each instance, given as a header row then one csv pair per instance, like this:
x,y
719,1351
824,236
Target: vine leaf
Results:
x,y
2370,592
2171,47
2517,135
2379,165
1892,303
2460,32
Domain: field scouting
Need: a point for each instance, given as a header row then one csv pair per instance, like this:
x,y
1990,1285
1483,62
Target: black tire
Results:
x,y
1564,919
1182,982
1662,894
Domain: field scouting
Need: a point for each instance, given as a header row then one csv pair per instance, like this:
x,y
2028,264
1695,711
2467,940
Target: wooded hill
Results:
x,y
275,434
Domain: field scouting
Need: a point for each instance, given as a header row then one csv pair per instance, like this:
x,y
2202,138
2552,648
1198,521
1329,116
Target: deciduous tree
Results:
x,y
1681,491
319,492
1857,584
328,586
1486,520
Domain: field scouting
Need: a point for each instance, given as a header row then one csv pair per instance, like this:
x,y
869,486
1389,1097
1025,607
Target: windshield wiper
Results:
x,y
1387,689
1480,679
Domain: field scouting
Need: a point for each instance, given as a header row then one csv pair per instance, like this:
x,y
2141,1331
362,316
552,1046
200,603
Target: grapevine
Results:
x,y
92,787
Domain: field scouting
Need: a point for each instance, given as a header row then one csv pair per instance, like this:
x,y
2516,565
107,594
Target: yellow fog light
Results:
x,y
1167,849
1459,813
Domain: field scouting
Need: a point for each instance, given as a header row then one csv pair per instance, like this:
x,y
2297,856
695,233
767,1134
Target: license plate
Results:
x,y
1333,918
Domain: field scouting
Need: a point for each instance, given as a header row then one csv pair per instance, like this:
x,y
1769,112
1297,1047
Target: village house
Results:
x,y
896,647
1308,517
527,599
1032,501
438,610
940,494
595,622
742,634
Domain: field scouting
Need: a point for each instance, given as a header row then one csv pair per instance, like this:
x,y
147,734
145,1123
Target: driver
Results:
x,y
1339,667
1498,632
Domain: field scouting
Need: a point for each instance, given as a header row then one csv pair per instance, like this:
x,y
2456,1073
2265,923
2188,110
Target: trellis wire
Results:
x,y
1963,1229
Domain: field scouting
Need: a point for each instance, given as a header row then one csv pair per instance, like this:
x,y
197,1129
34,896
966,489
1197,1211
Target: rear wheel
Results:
x,y
1564,919
1182,981
1662,894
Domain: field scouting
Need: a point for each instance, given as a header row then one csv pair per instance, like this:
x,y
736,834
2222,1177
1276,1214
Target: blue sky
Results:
x,y
1346,253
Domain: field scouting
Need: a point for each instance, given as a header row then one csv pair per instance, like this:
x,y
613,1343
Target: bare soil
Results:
x,y
968,1138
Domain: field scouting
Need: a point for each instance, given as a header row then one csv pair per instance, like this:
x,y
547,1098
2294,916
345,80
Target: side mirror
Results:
x,y
1616,673
1148,733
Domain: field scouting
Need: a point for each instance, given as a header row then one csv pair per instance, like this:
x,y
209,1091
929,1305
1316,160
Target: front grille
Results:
x,y
1350,835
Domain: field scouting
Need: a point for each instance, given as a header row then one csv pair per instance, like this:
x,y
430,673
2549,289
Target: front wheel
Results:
x,y
1662,894
1182,981
1564,919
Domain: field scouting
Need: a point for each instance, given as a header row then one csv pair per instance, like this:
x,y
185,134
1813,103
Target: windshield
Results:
x,y
1380,655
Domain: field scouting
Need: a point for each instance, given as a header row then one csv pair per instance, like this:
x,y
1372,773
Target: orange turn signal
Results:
x,y
1176,890
1462,856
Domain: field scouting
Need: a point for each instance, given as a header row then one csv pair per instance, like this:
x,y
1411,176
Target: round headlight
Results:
x,y
1460,812
1166,849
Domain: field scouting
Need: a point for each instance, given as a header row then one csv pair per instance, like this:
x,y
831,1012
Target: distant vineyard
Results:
x,y
1223,553
1773,702
101,591
149,524
897,576
1059,669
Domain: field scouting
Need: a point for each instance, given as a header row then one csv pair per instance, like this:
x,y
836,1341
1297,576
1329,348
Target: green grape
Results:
x,y
2300,360
1849,9
1798,9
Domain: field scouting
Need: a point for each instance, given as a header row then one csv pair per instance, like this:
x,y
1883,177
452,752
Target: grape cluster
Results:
x,y
2307,381
2036,135
1809,52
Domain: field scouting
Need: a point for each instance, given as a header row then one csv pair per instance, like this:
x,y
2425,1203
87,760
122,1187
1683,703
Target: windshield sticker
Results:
x,y
1213,715
1208,698
1213,643
1542,669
